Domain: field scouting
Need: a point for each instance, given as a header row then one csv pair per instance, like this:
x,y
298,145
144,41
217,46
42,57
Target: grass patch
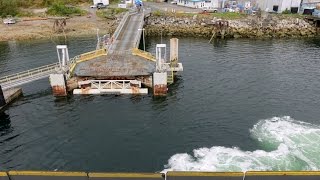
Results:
x,y
229,15
114,2
110,12
60,9
25,13
118,10
47,3
300,16
157,13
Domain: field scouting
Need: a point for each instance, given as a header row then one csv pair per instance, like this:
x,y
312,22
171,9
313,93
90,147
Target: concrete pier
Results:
x,y
8,96
58,84
160,84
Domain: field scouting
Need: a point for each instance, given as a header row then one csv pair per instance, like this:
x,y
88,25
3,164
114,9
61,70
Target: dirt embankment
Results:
x,y
36,28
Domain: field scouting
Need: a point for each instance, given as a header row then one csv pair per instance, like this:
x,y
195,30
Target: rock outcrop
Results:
x,y
267,26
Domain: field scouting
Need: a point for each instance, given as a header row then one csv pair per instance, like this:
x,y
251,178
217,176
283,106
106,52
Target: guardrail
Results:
x,y
111,84
144,54
138,36
28,73
85,57
120,26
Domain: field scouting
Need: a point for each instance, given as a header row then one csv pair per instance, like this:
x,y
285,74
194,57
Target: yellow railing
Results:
x,y
144,54
85,57
91,55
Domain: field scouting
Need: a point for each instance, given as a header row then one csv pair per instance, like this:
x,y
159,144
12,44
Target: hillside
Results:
x,y
13,7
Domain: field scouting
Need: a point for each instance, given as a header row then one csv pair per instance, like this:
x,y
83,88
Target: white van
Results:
x,y
209,9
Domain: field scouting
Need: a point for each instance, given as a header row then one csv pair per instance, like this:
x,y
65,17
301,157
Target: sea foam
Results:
x,y
295,146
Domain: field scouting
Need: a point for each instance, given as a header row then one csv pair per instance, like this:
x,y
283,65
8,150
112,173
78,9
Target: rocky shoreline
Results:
x,y
266,26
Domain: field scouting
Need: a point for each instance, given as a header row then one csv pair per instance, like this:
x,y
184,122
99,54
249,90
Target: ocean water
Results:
x,y
239,105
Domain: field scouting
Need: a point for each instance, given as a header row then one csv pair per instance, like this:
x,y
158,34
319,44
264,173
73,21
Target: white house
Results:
x,y
198,3
279,5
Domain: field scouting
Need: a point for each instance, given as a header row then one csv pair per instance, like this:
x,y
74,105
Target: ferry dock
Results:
x,y
117,66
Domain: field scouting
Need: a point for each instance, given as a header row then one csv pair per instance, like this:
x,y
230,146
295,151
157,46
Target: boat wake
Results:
x,y
295,146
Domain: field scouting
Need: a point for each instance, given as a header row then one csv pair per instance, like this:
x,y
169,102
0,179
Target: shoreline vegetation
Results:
x,y
36,18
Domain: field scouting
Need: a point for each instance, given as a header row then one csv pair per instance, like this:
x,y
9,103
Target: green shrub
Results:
x,y
24,13
8,7
119,10
287,11
59,8
157,13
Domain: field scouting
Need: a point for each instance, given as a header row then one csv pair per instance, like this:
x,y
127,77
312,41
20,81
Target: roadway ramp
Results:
x,y
119,60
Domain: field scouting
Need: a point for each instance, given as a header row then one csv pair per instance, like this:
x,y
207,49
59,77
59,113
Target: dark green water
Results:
x,y
225,90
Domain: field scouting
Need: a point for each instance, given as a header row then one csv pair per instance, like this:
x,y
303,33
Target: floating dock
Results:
x,y
250,175
8,96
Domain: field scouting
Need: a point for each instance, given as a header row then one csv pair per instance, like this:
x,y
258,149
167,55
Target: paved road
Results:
x,y
168,7
127,37
120,61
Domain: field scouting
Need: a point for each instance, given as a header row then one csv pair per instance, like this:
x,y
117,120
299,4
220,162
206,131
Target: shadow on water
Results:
x,y
4,51
160,102
38,94
176,86
135,99
313,41
219,43
5,125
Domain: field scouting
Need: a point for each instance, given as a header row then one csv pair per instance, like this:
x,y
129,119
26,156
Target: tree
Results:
x,y
8,7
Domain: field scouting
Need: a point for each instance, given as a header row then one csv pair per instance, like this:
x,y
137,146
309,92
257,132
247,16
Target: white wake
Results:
x,y
296,146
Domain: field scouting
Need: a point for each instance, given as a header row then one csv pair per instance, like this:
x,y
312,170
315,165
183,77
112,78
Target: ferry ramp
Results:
x,y
122,58
28,76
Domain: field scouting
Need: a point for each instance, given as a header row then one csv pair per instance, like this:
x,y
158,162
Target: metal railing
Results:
x,y
120,26
85,57
138,36
144,54
111,84
29,73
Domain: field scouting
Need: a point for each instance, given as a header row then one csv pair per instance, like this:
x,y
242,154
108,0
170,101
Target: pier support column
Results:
x,y
160,84
2,99
58,84
174,49
63,56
